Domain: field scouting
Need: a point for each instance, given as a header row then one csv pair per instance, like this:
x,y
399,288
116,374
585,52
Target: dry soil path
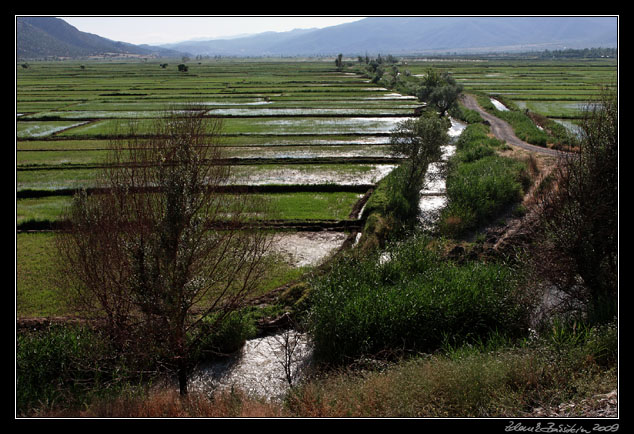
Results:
x,y
502,130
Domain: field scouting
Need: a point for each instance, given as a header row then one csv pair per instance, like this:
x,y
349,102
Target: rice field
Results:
x,y
317,135
281,111
559,89
310,138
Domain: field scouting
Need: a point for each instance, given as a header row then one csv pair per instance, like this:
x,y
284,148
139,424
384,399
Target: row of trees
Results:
x,y
584,53
438,89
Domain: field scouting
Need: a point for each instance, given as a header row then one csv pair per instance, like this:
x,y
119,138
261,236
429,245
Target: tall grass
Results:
x,y
409,299
471,381
480,183
61,364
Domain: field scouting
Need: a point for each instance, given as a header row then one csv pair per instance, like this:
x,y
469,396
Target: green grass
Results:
x,y
312,206
61,158
55,179
38,291
40,286
43,208
60,145
413,301
480,183
499,381
286,206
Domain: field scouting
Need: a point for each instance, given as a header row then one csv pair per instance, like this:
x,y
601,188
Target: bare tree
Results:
x,y
289,352
142,255
579,211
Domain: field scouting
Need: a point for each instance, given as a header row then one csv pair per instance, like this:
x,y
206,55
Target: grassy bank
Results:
x,y
492,379
480,183
568,364
410,298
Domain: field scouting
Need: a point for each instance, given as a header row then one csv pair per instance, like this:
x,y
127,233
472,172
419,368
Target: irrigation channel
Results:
x,y
268,366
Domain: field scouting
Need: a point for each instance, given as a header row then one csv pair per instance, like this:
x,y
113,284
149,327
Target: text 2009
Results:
x,y
606,428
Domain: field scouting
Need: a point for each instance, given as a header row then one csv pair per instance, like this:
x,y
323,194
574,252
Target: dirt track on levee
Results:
x,y
502,130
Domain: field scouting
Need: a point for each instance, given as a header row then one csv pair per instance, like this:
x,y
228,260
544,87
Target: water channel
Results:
x,y
433,196
268,366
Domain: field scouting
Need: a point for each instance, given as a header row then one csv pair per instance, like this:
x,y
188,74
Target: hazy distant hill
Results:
x,y
248,45
401,35
52,37
38,37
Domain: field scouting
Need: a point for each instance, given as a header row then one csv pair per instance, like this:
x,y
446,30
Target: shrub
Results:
x,y
409,299
61,363
226,337
480,183
478,190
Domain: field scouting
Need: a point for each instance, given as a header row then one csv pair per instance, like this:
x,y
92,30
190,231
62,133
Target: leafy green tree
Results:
x,y
339,62
419,142
439,90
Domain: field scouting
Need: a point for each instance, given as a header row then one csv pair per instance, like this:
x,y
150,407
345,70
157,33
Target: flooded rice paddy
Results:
x,y
312,174
307,249
334,151
498,105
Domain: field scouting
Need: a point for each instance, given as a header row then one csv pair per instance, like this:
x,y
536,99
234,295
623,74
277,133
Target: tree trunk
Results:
x,y
182,378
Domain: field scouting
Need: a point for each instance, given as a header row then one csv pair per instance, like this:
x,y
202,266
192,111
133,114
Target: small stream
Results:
x,y
498,105
265,367
433,196
268,366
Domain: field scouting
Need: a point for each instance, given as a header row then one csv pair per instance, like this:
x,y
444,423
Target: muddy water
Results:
x,y
572,128
353,175
267,367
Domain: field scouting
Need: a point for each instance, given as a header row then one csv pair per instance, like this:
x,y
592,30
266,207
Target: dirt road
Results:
x,y
502,130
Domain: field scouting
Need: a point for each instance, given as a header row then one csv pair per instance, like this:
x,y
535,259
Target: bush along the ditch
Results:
x,y
409,298
68,365
480,183
63,365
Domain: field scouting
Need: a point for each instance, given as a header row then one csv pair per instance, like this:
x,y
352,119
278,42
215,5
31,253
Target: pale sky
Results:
x,y
166,29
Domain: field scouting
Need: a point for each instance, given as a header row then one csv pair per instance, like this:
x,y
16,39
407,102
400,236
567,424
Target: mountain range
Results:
x,y
48,36
45,37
